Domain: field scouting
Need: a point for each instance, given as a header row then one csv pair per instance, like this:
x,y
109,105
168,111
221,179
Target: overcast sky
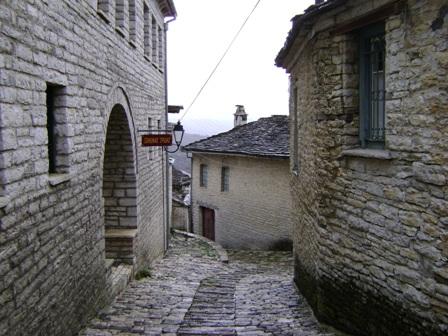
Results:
x,y
247,76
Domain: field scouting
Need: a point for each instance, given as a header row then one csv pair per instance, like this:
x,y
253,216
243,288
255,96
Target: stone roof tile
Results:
x,y
267,137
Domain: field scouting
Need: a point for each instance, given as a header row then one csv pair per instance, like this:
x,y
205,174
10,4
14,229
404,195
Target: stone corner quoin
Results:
x,y
78,193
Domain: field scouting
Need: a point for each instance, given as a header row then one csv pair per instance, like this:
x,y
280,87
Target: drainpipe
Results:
x,y
166,163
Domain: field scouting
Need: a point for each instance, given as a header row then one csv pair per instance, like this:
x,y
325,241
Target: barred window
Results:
x,y
372,90
295,130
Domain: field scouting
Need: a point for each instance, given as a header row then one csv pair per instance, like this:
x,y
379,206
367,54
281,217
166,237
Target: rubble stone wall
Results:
x,y
52,258
256,211
371,227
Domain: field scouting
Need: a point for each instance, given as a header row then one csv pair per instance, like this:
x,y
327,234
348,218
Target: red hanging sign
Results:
x,y
157,140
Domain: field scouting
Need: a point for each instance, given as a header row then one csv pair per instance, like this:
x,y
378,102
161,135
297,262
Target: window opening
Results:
x,y
120,12
155,56
132,21
372,87
295,140
160,35
57,158
146,31
203,172
104,9
225,178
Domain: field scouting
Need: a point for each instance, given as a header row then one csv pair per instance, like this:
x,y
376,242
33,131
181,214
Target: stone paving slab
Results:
x,y
190,292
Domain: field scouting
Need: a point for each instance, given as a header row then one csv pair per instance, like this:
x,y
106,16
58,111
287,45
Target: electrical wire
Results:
x,y
220,60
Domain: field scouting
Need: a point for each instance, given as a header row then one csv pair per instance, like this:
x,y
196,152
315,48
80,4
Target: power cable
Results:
x,y
220,60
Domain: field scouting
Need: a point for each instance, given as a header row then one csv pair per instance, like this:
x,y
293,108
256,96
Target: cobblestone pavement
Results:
x,y
191,293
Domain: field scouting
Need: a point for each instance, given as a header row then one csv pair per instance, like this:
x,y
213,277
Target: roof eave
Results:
x,y
264,155
167,7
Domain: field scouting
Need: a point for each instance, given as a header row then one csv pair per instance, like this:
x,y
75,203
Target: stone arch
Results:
x,y
119,176
118,96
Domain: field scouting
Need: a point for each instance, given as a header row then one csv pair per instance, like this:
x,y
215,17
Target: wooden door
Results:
x,y
208,223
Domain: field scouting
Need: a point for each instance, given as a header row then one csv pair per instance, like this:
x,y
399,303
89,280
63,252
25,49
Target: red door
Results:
x,y
208,223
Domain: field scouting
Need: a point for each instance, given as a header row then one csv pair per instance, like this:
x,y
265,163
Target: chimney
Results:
x,y
240,116
318,2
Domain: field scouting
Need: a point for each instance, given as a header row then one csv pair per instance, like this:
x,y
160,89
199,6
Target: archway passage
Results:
x,y
119,189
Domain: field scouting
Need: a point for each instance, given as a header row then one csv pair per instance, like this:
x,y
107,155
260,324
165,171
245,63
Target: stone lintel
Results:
x,y
379,154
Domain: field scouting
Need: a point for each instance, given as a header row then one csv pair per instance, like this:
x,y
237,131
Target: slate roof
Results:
x,y
267,137
180,178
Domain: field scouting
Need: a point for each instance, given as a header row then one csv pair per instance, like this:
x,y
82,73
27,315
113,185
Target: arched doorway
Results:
x,y
119,189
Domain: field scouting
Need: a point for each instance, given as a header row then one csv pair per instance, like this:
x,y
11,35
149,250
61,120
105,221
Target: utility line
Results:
x,y
220,60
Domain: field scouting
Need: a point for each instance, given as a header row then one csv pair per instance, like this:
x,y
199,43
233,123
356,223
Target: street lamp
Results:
x,y
178,132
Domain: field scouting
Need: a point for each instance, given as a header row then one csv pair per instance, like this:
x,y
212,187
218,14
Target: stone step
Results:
x,y
120,245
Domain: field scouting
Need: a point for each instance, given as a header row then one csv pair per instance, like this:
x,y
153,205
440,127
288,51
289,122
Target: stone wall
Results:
x,y
371,226
180,216
52,226
255,212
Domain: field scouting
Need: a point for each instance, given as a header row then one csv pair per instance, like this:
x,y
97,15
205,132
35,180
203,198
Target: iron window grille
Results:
x,y
372,87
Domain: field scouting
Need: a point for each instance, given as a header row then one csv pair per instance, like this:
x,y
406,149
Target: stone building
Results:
x,y
240,181
180,200
369,163
78,80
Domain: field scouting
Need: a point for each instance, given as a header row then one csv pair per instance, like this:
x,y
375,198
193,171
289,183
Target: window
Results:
x,y
295,130
372,87
160,35
121,16
155,45
132,22
203,175
104,9
58,146
225,178
146,32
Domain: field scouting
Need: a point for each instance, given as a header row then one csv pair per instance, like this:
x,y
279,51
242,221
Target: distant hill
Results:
x,y
181,161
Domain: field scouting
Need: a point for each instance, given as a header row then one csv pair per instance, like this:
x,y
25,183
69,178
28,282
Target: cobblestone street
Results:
x,y
190,292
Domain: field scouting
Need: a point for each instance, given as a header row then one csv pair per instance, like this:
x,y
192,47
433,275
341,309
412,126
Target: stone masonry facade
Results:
x,y
371,225
255,212
78,79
